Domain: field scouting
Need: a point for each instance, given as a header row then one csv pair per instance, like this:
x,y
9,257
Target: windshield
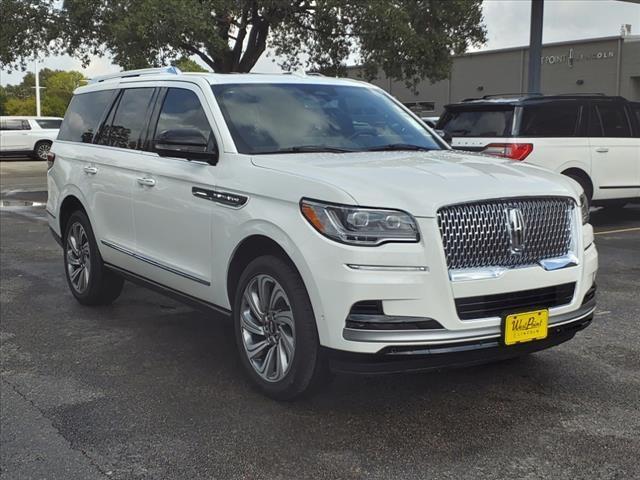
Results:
x,y
281,118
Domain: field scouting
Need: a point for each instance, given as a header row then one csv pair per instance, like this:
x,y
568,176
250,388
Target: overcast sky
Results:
x,y
507,24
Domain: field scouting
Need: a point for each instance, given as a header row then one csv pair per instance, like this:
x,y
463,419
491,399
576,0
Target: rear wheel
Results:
x,y
276,330
584,183
90,282
41,150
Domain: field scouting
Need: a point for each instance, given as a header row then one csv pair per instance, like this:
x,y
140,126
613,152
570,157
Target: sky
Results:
x,y
507,23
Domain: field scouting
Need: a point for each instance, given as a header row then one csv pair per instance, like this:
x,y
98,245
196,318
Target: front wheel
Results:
x,y
276,330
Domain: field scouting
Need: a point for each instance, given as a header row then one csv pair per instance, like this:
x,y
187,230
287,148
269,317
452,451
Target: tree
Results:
x,y
29,27
187,65
56,95
408,39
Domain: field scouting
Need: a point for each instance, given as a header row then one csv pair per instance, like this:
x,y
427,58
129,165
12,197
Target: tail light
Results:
x,y
514,151
51,158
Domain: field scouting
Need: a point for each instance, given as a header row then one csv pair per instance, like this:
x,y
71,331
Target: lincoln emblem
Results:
x,y
516,228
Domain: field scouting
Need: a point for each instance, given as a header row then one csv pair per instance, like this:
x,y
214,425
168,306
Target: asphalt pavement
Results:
x,y
150,389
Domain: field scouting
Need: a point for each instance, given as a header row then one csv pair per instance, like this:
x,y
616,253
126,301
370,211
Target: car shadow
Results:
x,y
606,218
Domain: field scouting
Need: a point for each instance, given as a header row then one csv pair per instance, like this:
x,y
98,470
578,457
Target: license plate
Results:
x,y
525,327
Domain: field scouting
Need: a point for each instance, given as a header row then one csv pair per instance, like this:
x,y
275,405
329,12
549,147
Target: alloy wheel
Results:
x,y
267,326
78,256
43,150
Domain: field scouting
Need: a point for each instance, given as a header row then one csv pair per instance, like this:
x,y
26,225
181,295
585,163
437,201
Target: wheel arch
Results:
x,y
69,204
270,239
581,176
248,249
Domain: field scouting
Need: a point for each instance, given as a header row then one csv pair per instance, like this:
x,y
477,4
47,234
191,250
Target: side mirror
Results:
x,y
187,143
445,136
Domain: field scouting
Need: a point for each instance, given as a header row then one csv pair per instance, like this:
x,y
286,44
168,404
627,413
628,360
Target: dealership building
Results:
x,y
609,65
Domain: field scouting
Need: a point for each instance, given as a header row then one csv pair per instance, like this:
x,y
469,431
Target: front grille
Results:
x,y
476,235
497,305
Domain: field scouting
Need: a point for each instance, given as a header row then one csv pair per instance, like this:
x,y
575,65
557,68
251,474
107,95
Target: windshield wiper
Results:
x,y
399,146
309,148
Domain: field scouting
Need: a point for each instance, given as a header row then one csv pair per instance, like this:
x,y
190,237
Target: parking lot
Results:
x,y
149,388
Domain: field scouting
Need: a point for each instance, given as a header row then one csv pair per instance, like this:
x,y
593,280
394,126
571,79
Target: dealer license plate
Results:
x,y
525,327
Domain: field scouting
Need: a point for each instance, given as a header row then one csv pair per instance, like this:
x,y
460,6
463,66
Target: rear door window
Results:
x,y
489,122
558,119
51,123
84,114
609,120
125,128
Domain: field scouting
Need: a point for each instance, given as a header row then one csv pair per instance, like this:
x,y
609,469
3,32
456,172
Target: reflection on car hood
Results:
x,y
421,182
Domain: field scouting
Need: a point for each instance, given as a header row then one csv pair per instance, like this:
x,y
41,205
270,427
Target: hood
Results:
x,y
421,182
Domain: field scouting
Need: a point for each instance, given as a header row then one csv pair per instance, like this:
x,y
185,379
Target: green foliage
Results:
x,y
408,39
187,65
59,86
20,106
3,100
28,28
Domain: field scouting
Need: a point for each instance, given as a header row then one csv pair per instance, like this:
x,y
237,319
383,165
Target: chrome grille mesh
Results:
x,y
476,235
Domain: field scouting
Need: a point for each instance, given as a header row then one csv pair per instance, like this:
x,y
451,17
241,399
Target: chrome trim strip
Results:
x,y
227,199
465,274
155,263
549,264
387,268
568,260
439,337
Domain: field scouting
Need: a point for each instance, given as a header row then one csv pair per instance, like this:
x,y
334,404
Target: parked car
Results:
x,y
319,214
431,121
28,135
593,139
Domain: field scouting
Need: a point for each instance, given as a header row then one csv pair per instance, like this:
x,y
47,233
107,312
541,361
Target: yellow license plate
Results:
x,y
525,327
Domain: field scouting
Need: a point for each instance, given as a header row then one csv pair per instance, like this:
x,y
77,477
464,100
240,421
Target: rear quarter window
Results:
x,y
84,114
550,120
491,122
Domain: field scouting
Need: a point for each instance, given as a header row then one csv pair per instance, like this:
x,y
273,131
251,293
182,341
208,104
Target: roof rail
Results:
x,y
136,73
581,94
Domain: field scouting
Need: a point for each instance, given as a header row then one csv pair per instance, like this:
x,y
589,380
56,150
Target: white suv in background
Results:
x,y
320,215
593,139
28,135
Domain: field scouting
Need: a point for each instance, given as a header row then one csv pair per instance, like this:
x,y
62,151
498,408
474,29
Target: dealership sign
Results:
x,y
573,57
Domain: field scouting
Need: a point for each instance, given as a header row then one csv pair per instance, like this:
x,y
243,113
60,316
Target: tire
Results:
x,y
285,331
584,183
41,149
90,282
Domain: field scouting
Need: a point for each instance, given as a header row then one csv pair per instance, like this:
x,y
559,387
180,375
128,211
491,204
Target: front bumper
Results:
x,y
421,294
414,358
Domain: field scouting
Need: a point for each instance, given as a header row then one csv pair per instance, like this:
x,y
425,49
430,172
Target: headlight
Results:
x,y
584,208
360,226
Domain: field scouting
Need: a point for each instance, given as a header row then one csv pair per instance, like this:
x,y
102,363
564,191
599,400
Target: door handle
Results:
x,y
148,182
90,170
602,149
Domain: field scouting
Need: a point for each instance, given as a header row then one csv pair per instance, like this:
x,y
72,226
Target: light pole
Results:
x,y
37,88
535,45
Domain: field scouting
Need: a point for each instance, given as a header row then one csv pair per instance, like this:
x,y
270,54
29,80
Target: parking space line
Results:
x,y
633,229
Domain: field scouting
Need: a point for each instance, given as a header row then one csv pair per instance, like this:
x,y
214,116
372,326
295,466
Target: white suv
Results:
x,y
593,139
28,135
335,229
